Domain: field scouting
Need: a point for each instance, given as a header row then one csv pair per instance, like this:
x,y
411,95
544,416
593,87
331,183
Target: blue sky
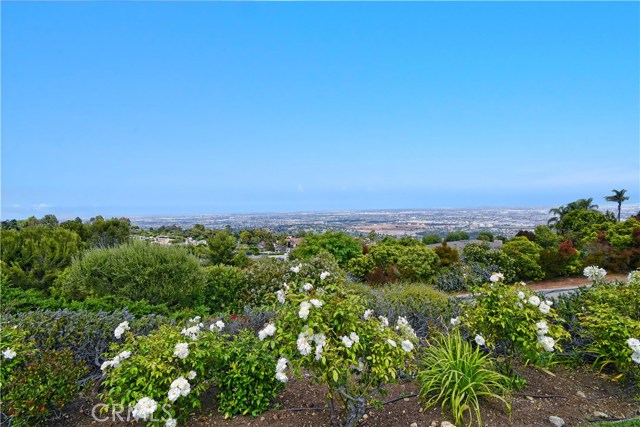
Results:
x,y
176,108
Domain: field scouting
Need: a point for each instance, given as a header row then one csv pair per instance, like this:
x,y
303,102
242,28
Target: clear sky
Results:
x,y
176,108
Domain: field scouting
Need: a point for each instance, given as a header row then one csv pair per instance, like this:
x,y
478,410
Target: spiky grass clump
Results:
x,y
457,375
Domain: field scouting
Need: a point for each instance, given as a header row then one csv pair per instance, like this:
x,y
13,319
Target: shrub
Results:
x,y
160,275
423,306
418,264
226,289
430,239
456,235
447,255
355,353
43,383
245,376
454,373
169,367
602,319
515,321
88,335
391,260
491,259
525,255
267,275
35,256
339,244
460,277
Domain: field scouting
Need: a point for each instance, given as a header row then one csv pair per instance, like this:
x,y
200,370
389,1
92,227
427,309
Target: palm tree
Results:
x,y
618,197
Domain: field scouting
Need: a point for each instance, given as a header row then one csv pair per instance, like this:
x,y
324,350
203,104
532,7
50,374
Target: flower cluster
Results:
x,y
268,331
348,341
368,314
307,287
324,275
192,332
634,345
455,321
543,306
306,305
496,277
9,353
280,295
593,272
181,350
179,387
403,326
545,341
120,329
281,366
216,327
296,269
115,362
144,408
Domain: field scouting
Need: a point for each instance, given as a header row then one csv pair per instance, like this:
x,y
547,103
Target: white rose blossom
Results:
x,y
391,342
368,314
303,344
316,303
521,295
543,329
268,331
9,353
280,296
455,321
534,300
479,339
182,385
634,344
324,275
407,346
307,287
145,408
181,350
593,272
191,375
496,277
547,342
544,308
304,310
120,329
171,422
295,269
347,341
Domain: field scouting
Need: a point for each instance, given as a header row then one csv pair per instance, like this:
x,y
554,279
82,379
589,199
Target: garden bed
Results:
x,y
300,399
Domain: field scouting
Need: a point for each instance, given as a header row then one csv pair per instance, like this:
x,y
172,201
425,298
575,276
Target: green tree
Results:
x,y
525,255
222,248
430,239
456,235
103,233
619,198
546,238
560,212
33,257
487,236
339,244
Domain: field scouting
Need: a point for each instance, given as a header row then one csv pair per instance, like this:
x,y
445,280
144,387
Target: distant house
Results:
x,y
292,242
460,244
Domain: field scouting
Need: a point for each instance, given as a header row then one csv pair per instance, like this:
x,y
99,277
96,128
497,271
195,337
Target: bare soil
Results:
x,y
572,394
572,282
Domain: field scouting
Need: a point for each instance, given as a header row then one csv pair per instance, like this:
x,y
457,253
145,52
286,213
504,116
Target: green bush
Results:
x,y
608,315
458,376
226,289
245,376
494,259
160,275
168,366
515,321
35,256
88,335
430,239
422,305
41,385
454,236
525,256
339,244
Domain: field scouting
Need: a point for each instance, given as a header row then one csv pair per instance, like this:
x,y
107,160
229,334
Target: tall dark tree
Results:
x,y
618,197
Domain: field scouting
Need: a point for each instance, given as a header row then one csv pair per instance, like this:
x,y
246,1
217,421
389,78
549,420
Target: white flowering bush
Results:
x,y
514,319
594,273
608,317
161,376
328,331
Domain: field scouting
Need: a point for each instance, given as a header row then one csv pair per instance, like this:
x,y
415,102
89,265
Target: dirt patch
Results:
x,y
572,394
572,282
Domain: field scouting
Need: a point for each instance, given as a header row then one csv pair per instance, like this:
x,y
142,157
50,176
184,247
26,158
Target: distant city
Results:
x,y
403,222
